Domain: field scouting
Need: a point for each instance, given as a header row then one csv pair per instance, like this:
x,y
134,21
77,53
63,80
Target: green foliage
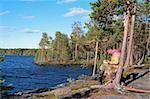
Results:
x,y
70,80
4,87
2,58
94,33
145,7
44,40
76,40
61,47
147,60
104,11
77,32
1,81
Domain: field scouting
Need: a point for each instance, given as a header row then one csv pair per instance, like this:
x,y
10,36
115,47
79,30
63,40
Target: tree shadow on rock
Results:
x,y
132,77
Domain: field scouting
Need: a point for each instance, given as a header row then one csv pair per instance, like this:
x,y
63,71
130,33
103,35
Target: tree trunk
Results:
x,y
76,49
131,57
52,53
117,79
87,58
142,59
148,41
95,60
73,54
147,45
41,57
131,37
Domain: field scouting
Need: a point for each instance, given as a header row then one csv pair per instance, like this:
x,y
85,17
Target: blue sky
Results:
x,y
23,21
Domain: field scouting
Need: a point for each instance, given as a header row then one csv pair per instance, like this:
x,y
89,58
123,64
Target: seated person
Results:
x,y
110,67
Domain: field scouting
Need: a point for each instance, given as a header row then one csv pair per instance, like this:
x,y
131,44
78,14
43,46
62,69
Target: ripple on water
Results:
x,y
24,75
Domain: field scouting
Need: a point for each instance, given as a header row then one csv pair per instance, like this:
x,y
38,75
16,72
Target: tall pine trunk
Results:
x,y
87,57
131,57
143,57
131,37
147,45
117,79
76,51
41,58
148,40
95,60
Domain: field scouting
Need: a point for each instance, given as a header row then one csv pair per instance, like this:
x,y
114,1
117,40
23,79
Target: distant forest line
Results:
x,y
19,52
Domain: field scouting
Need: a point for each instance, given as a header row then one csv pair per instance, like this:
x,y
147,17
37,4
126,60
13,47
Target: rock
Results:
x,y
61,91
113,97
143,82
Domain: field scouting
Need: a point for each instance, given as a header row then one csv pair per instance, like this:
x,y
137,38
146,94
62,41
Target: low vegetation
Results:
x,y
4,87
2,58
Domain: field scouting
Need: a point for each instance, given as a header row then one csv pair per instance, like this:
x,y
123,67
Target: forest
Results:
x,y
111,23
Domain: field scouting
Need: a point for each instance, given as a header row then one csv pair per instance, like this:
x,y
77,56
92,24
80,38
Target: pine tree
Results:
x,y
76,35
44,43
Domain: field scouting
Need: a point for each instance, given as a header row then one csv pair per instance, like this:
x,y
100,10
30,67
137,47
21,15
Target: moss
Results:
x,y
47,96
79,87
125,74
51,96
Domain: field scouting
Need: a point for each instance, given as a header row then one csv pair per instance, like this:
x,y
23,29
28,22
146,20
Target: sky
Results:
x,y
23,21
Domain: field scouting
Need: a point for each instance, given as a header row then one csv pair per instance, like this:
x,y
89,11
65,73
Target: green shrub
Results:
x,y
70,80
2,58
4,87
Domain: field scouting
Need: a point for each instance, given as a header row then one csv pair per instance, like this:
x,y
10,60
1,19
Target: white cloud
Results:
x,y
4,13
65,1
28,30
76,11
28,17
6,29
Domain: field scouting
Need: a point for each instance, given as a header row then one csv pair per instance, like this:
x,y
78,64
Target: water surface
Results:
x,y
25,75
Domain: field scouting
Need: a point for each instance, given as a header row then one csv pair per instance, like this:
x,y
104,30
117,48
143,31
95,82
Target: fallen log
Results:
x,y
110,85
136,90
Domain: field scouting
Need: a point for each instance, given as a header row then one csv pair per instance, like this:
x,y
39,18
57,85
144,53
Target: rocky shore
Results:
x,y
82,89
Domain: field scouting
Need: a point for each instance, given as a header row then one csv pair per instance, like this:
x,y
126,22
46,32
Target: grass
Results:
x,y
85,77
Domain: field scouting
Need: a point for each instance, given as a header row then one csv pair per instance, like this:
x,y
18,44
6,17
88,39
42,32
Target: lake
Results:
x,y
25,75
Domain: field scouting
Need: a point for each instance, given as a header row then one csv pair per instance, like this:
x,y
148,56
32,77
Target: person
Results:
x,y
110,66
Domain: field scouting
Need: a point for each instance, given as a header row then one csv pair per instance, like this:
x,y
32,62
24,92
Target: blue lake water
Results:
x,y
25,75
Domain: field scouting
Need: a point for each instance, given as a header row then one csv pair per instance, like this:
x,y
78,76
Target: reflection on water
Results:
x,y
24,75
